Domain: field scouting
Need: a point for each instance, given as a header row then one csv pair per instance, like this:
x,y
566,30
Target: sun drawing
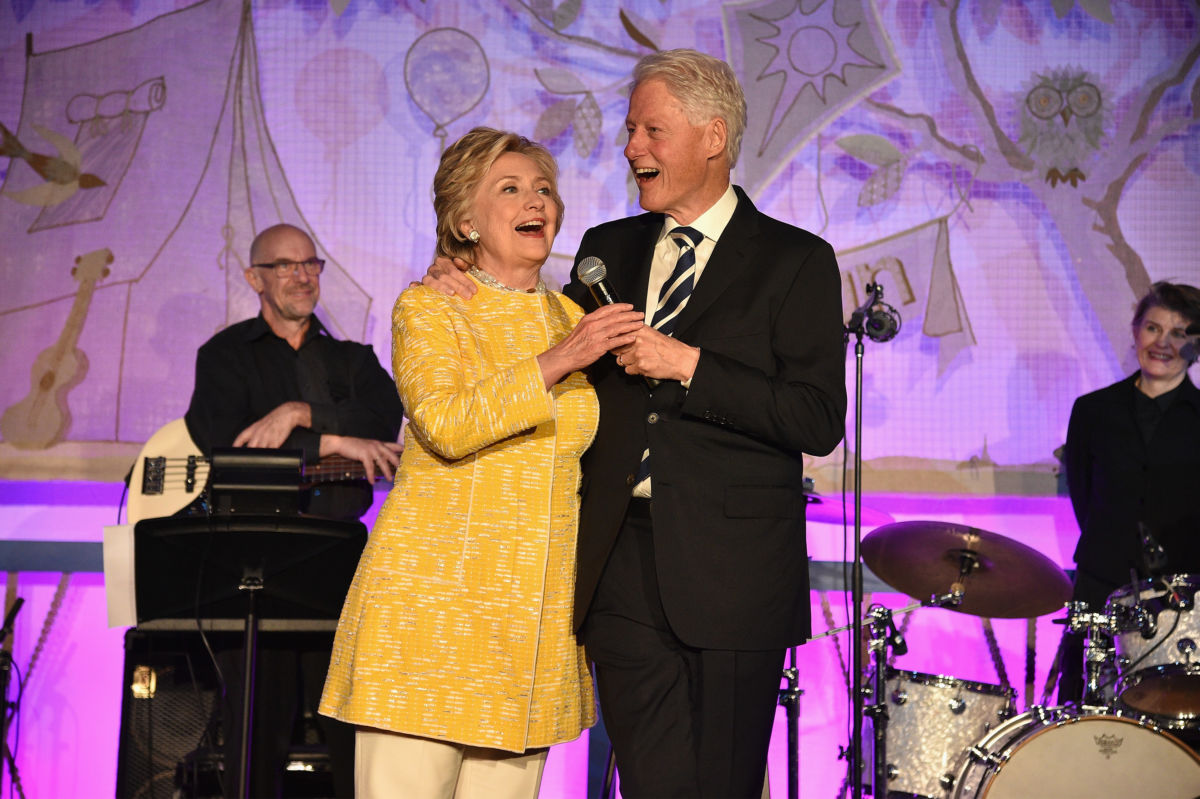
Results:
x,y
811,48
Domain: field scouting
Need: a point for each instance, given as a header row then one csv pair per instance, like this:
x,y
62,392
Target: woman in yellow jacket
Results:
x,y
454,653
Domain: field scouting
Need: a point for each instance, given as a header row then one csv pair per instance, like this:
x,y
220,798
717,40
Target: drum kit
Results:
x,y
940,737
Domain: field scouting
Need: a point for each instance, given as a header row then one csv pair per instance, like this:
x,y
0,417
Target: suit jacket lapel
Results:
x,y
637,254
728,262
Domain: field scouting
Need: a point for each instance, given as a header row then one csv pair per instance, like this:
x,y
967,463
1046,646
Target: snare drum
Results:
x,y
1160,675
1052,752
931,721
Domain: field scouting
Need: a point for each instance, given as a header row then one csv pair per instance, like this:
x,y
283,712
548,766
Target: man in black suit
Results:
x,y
693,581
693,569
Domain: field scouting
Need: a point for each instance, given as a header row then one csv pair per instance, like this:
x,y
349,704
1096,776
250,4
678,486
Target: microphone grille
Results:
x,y
592,270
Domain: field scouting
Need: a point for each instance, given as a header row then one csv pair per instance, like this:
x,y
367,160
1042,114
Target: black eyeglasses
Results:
x,y
312,267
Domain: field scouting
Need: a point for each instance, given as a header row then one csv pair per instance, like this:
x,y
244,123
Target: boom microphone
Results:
x,y
594,274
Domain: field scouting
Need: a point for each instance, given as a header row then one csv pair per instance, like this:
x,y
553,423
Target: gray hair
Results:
x,y
705,86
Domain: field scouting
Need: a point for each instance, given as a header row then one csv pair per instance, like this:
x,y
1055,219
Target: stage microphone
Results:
x,y
594,274
883,323
880,321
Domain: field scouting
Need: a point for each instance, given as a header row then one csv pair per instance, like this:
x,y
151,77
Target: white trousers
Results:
x,y
389,765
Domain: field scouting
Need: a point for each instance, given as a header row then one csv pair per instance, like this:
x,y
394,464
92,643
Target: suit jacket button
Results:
x,y
629,480
652,418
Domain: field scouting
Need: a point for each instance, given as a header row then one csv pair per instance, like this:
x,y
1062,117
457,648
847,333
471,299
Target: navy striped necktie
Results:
x,y
678,287
671,299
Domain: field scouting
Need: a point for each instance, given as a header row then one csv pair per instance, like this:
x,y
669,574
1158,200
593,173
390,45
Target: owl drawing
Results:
x,y
1062,123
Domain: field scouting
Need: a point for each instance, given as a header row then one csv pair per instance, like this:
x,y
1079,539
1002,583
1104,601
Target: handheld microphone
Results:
x,y
594,274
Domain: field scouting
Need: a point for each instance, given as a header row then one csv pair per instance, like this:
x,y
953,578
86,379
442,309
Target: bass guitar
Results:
x,y
171,473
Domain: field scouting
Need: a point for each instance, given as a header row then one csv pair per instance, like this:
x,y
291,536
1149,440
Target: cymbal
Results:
x,y
998,577
829,510
822,509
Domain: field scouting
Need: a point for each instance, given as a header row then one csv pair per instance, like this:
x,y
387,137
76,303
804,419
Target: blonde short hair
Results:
x,y
705,86
463,167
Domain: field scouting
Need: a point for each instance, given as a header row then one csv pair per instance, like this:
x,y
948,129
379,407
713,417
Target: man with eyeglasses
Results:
x,y
281,380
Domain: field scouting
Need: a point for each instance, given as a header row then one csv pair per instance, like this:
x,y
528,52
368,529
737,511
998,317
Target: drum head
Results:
x,y
1170,693
1096,756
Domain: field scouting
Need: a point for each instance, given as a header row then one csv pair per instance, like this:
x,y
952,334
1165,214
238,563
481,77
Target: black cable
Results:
x,y
1129,669
13,723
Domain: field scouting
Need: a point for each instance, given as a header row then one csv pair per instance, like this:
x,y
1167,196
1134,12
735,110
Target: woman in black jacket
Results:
x,y
1132,462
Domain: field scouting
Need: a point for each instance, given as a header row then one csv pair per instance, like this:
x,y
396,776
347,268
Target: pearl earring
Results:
x,y
474,236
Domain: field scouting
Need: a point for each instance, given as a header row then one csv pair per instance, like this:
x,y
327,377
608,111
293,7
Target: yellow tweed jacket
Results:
x,y
457,625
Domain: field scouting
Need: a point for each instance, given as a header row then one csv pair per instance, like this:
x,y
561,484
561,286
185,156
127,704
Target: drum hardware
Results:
x,y
883,635
1098,651
789,697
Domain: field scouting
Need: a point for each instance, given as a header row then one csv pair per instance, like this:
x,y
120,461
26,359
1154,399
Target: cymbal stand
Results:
x,y
790,699
883,635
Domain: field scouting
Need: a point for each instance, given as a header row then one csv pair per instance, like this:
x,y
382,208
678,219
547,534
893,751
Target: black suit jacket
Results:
x,y
1116,479
727,454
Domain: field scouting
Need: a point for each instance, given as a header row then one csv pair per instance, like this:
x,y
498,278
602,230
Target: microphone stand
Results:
x,y
865,319
856,579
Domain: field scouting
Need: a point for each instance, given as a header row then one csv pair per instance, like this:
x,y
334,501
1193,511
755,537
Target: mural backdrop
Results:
x,y
1014,174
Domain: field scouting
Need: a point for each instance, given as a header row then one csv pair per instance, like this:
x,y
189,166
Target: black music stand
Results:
x,y
248,566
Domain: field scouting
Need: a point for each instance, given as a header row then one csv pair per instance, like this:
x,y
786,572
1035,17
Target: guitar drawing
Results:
x,y
44,417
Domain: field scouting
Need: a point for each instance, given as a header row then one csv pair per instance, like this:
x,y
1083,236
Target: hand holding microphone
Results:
x,y
653,355
613,325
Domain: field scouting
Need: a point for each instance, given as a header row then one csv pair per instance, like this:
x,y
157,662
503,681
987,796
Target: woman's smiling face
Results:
x,y
1158,340
515,214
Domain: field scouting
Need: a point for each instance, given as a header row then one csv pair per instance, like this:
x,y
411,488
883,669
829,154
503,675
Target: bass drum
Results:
x,y
1052,752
